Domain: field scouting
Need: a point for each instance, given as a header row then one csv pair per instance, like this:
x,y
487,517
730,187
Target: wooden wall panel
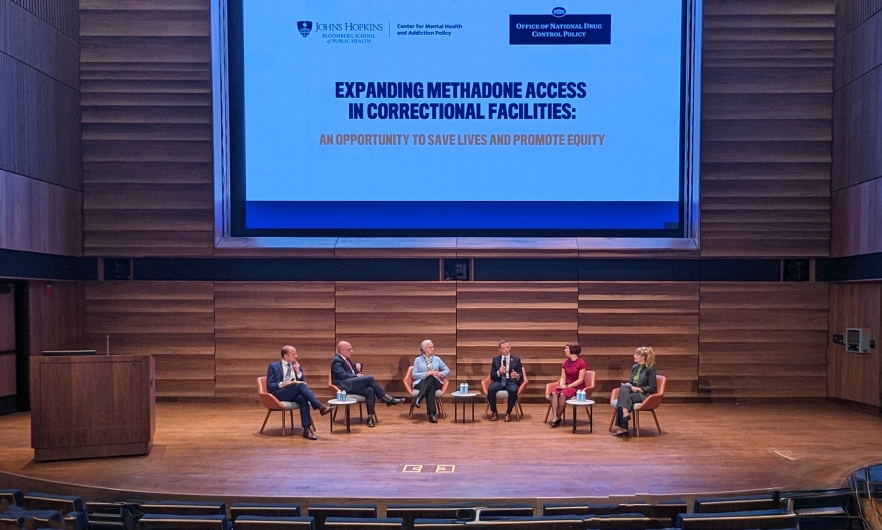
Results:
x,y
39,217
147,155
615,318
854,376
763,340
766,128
858,131
857,220
254,320
387,321
62,15
173,321
44,113
56,316
40,154
537,318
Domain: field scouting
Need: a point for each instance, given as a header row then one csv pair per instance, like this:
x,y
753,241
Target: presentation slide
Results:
x,y
459,116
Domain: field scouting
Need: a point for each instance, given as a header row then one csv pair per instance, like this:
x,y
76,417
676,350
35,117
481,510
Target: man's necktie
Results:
x,y
288,373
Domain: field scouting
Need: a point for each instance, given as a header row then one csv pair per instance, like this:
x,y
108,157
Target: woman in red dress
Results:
x,y
572,378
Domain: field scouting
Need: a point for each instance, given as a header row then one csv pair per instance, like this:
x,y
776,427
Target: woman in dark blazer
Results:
x,y
640,385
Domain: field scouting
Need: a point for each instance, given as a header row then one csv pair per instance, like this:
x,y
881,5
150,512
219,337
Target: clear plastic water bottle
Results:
x,y
339,395
466,388
343,395
462,388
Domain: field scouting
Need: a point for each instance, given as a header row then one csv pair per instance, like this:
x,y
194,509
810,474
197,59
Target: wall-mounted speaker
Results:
x,y
117,269
796,270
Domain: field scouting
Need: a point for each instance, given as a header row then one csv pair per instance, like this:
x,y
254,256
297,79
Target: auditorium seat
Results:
x,y
823,509
160,521
184,508
769,501
321,511
71,521
238,509
408,384
12,496
266,522
360,523
563,522
495,511
17,517
502,395
411,512
626,521
60,503
112,515
272,404
759,519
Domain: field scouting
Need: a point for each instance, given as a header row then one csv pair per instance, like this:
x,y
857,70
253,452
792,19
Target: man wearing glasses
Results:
x,y
348,376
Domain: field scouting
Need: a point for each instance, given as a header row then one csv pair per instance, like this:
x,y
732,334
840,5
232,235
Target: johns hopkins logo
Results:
x,y
558,12
304,27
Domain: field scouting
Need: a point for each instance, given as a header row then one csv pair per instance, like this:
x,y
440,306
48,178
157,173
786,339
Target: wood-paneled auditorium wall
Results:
x,y
766,121
40,174
857,194
713,339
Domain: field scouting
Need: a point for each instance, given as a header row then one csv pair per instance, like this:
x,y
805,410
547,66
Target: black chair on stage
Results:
x,y
756,519
321,511
267,522
770,501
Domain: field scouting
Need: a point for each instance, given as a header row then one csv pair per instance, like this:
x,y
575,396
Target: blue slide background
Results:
x,y
633,99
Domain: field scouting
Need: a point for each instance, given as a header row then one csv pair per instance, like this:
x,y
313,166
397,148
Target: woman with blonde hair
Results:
x,y
640,385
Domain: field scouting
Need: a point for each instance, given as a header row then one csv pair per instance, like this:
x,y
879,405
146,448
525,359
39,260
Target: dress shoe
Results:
x,y
620,432
370,421
494,416
555,424
308,435
312,428
417,402
394,401
324,409
508,417
432,418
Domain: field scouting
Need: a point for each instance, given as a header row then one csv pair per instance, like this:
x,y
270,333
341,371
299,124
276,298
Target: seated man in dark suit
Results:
x,y
507,374
284,379
347,376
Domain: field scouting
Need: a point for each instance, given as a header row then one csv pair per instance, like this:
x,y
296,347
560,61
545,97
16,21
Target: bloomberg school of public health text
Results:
x,y
494,110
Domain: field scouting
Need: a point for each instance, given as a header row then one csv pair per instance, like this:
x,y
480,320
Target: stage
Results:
x,y
215,451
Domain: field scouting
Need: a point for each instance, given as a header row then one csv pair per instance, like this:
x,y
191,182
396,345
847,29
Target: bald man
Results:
x,y
348,377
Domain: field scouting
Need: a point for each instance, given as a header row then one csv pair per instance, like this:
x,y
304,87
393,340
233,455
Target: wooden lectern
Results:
x,y
92,406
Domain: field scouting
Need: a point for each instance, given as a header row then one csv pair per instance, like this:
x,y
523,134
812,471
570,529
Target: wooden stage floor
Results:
x,y
215,450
